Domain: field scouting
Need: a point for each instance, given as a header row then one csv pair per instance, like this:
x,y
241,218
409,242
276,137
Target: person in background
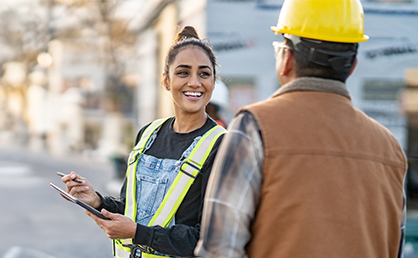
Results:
x,y
305,173
218,102
159,210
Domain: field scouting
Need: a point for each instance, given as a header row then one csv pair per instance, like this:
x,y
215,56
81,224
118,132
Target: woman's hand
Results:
x,y
83,191
119,227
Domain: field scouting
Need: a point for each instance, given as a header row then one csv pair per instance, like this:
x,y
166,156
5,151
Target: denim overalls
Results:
x,y
154,177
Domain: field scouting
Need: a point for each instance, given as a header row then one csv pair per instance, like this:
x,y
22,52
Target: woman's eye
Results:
x,y
182,73
204,74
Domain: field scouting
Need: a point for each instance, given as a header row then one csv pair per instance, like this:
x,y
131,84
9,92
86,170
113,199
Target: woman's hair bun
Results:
x,y
187,32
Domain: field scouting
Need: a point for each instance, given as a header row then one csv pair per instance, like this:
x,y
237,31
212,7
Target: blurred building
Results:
x,y
74,75
85,114
12,94
64,85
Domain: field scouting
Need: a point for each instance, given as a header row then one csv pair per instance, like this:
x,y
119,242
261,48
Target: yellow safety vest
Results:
x,y
189,169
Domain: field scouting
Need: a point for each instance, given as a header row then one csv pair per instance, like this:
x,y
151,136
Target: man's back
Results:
x,y
305,174
332,180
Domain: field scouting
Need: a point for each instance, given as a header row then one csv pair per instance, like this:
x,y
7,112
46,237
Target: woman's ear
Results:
x,y
166,82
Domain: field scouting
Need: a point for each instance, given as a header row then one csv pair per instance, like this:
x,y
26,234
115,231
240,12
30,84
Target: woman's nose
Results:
x,y
194,81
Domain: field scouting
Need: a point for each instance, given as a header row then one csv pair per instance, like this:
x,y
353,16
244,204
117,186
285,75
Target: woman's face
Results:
x,y
190,80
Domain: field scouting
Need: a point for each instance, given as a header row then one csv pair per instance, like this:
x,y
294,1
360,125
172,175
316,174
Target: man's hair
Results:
x,y
324,68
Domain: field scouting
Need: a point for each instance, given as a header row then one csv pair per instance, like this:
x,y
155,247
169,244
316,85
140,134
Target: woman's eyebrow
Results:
x,y
183,66
189,67
204,67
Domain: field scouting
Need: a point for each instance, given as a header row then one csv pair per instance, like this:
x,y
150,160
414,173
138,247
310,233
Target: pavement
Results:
x,y
86,159
35,221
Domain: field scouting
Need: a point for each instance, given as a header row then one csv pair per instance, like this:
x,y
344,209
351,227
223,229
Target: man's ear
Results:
x,y
288,62
354,66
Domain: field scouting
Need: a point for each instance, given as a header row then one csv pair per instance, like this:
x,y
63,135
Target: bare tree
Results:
x,y
27,29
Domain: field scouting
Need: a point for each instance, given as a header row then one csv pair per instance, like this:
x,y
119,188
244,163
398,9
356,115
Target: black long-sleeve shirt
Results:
x,y
180,239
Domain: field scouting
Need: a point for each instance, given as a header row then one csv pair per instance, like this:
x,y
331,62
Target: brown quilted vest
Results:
x,y
332,180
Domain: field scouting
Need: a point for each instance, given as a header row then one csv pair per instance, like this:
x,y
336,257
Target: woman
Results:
x,y
169,167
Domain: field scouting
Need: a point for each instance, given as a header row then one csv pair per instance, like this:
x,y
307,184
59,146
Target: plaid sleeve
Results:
x,y
233,191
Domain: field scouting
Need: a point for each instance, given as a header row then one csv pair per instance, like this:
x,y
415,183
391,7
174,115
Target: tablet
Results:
x,y
78,202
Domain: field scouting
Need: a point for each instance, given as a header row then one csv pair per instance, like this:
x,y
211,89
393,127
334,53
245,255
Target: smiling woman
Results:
x,y
169,167
190,81
189,75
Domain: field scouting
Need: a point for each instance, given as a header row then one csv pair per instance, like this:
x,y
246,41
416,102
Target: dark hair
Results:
x,y
307,68
188,37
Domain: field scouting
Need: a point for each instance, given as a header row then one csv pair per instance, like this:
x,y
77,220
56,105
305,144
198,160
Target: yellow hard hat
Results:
x,y
328,20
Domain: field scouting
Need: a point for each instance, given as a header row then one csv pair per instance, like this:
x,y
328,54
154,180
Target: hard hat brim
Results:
x,y
281,30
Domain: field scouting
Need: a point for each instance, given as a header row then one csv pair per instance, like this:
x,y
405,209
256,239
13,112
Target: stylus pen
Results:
x,y
75,179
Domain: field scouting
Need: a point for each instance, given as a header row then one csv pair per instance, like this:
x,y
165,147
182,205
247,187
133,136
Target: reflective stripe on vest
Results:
x,y
130,210
125,252
189,170
120,251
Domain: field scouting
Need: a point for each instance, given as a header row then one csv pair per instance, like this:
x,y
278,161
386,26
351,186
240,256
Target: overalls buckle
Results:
x,y
190,164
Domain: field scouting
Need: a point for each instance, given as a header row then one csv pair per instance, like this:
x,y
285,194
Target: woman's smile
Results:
x,y
193,95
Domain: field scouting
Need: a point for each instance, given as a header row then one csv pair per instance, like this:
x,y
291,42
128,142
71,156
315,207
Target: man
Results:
x,y
304,173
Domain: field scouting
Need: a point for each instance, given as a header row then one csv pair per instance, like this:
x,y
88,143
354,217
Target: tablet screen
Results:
x,y
78,202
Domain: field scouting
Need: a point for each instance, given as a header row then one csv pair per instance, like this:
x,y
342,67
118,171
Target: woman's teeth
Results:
x,y
193,94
